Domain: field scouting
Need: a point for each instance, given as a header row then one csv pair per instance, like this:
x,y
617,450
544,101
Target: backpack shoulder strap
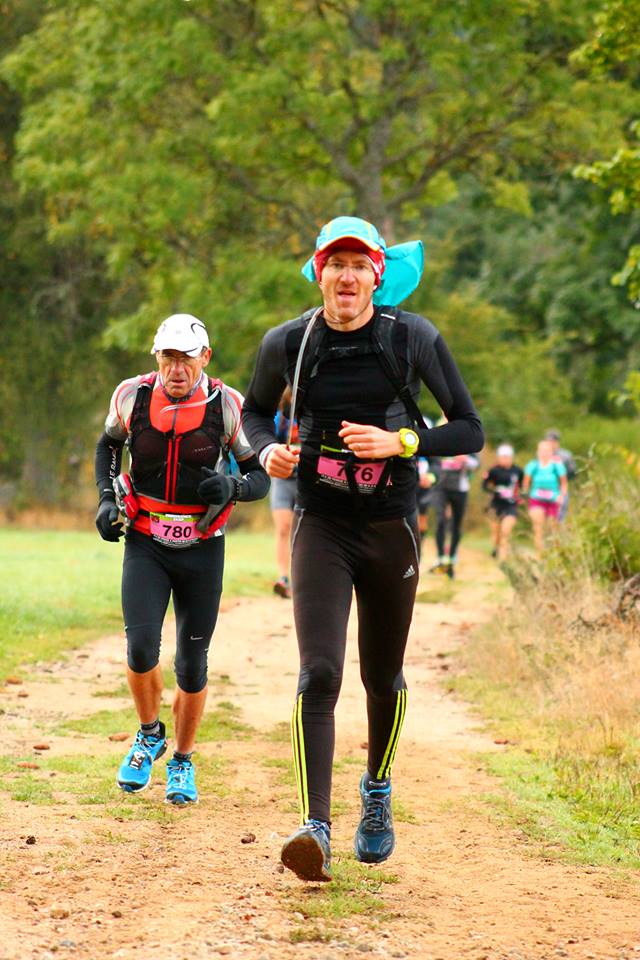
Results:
x,y
382,336
382,343
311,360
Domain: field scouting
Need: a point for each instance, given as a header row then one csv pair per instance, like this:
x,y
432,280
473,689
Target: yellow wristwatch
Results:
x,y
410,441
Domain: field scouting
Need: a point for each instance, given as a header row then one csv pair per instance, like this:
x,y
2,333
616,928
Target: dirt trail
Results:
x,y
97,884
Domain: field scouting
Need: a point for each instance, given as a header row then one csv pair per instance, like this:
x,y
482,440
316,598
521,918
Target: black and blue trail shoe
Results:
x,y
308,853
375,839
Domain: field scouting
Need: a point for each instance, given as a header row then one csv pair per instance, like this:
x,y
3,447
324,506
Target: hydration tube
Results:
x,y
196,403
296,375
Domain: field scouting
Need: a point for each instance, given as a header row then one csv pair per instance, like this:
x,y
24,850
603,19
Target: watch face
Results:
x,y
410,438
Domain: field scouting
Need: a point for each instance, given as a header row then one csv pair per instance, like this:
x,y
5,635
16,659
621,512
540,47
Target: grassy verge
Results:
x,y
88,778
62,589
563,704
557,676
355,891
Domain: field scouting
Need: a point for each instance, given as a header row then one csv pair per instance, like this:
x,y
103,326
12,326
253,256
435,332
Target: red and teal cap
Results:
x,y
398,269
342,229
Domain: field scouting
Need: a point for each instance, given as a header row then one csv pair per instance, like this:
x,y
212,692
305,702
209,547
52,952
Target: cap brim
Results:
x,y
349,237
172,345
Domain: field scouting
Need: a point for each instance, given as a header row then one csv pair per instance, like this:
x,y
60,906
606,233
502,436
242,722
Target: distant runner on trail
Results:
x,y
449,499
504,482
359,361
567,459
180,427
545,482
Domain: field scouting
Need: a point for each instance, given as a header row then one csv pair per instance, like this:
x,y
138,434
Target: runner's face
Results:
x,y
545,451
347,283
506,461
179,371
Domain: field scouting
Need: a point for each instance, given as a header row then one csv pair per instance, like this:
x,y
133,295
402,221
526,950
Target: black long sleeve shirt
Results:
x,y
355,388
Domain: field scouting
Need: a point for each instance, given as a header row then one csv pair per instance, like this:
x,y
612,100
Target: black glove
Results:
x,y
217,488
107,520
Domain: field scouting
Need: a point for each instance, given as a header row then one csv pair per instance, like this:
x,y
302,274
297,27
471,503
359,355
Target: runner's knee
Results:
x,y
320,676
143,647
191,671
382,684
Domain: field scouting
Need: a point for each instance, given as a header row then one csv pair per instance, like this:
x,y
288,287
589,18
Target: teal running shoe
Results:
x,y
181,782
307,851
375,839
135,770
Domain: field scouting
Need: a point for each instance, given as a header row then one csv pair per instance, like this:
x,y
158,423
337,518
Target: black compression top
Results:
x,y
504,483
355,388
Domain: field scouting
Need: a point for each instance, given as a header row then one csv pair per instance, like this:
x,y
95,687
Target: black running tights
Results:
x,y
331,559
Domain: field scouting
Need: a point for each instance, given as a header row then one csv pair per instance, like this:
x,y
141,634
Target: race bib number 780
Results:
x,y
173,529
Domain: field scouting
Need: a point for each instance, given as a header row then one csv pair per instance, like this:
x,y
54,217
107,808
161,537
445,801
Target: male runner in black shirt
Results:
x,y
504,482
356,511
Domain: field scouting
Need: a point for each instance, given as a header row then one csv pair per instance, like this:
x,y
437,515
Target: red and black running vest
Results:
x,y
166,465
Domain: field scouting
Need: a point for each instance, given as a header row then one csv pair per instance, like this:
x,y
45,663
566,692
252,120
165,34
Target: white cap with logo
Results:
x,y
182,332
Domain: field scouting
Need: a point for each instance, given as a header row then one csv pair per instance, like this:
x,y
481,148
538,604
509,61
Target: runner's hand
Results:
x,y
107,523
370,442
216,488
282,461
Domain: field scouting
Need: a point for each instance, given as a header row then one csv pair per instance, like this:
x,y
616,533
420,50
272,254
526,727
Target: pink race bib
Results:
x,y
367,474
174,529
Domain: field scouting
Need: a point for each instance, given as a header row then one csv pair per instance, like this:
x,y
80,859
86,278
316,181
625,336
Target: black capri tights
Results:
x,y
330,559
151,574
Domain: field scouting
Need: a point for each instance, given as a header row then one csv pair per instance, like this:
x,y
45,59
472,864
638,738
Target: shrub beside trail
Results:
x,y
557,674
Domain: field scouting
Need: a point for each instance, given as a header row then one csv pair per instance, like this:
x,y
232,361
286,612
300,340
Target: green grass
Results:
x,y
286,775
62,589
402,813
222,724
249,564
310,934
355,890
569,771
597,824
437,593
59,590
280,733
90,781
218,723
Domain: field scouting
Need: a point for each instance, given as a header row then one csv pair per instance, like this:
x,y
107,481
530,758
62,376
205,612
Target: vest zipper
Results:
x,y
174,482
167,479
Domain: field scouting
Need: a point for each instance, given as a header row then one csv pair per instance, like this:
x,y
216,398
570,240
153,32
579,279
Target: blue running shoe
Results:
x,y
135,770
307,851
181,782
375,839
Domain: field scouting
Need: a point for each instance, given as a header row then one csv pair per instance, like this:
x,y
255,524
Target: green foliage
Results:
x,y
604,531
549,279
505,369
181,156
615,49
581,435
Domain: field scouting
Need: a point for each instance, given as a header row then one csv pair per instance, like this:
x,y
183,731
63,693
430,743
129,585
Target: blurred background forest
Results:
x,y
181,156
